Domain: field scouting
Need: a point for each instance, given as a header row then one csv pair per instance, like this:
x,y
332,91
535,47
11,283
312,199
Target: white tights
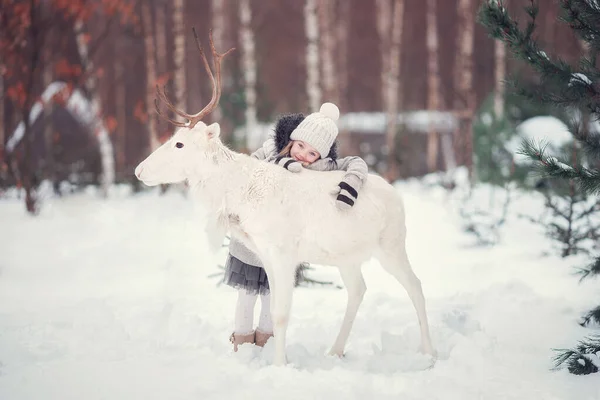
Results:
x,y
244,313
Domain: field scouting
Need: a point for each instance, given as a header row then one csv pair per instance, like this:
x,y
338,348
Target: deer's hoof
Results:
x,y
336,353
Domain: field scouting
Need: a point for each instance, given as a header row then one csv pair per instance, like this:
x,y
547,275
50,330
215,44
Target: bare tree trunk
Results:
x,y
121,115
179,55
161,38
342,26
433,82
311,26
384,22
161,50
218,32
98,127
463,81
326,28
150,75
50,171
3,123
2,127
249,71
393,89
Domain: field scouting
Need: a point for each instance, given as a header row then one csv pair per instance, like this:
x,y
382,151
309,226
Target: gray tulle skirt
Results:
x,y
240,275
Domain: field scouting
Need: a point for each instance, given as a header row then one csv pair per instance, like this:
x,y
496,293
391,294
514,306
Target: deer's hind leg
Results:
x,y
394,259
356,288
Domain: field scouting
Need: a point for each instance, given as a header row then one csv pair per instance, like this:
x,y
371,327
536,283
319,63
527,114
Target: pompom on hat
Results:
x,y
319,129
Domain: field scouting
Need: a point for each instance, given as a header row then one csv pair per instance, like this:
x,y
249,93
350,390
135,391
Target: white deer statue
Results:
x,y
287,218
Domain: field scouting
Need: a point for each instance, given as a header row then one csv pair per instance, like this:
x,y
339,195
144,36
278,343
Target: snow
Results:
x,y
417,121
254,135
579,78
546,130
111,299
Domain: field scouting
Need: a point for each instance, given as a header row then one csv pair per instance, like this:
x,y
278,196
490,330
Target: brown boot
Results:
x,y
260,338
238,339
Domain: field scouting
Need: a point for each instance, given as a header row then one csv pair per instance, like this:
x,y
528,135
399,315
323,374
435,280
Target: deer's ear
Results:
x,y
213,130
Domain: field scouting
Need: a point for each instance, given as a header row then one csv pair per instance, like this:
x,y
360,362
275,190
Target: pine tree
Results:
x,y
572,88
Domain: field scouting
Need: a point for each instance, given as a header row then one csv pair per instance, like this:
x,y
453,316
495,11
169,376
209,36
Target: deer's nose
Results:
x,y
138,171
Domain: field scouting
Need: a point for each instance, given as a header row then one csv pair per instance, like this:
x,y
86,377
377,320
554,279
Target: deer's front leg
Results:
x,y
281,278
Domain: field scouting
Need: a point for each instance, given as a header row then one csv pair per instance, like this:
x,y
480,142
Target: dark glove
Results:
x,y
346,192
288,163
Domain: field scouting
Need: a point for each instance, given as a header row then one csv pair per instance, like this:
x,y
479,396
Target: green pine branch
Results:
x,y
587,179
584,18
563,86
579,360
592,269
591,316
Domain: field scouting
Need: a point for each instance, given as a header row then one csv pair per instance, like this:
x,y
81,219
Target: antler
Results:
x,y
193,119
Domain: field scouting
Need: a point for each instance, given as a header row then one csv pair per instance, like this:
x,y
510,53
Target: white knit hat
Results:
x,y
319,129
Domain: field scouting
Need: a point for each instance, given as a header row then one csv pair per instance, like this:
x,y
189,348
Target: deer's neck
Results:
x,y
221,184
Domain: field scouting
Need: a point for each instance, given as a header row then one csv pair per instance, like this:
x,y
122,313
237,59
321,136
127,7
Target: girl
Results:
x,y
298,142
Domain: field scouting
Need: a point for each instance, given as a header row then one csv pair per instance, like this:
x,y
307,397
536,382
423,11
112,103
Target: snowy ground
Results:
x,y
110,299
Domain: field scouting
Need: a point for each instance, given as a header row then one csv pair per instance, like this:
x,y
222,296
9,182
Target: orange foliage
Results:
x,y
17,43
111,123
65,70
163,79
17,93
140,113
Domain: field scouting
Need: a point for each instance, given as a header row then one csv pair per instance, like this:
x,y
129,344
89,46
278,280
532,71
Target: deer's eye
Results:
x,y
179,145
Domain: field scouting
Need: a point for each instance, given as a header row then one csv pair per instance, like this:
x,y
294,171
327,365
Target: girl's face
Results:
x,y
303,152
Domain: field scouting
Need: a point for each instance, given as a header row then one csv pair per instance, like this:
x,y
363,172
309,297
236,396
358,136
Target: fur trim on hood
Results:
x,y
284,128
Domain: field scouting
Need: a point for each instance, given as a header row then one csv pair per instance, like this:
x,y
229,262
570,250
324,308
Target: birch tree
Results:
x,y
327,32
390,22
83,11
98,126
160,39
249,70
311,26
499,77
384,12
433,83
342,26
179,55
218,33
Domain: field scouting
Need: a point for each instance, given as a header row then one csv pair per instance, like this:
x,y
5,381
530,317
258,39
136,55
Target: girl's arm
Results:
x,y
268,152
356,174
